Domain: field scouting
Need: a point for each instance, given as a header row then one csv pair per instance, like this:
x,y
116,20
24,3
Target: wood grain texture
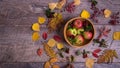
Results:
x,y
17,16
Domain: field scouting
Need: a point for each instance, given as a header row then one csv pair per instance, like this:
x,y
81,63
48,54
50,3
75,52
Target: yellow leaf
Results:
x,y
51,42
41,20
85,14
107,13
53,60
52,6
77,2
61,4
60,45
47,65
89,63
116,35
55,66
36,27
35,36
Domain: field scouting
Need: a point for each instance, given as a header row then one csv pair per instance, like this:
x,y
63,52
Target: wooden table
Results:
x,y
17,50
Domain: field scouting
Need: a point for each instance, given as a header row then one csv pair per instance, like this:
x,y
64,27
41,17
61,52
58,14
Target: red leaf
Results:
x,y
85,55
96,50
39,51
57,38
95,55
44,35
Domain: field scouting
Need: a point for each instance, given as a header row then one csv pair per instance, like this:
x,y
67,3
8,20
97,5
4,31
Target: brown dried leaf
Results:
x,y
55,66
107,56
55,22
52,6
61,4
89,63
47,65
53,60
77,2
50,52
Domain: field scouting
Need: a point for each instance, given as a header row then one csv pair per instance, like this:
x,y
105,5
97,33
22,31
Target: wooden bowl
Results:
x,y
65,29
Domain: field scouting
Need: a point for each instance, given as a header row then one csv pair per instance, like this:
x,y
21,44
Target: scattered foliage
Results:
x,y
61,4
57,38
69,65
49,13
85,14
77,2
107,13
36,27
102,42
107,56
104,31
55,66
114,19
60,45
47,64
51,42
52,6
78,52
49,51
70,7
41,20
44,35
53,60
55,22
94,53
35,36
116,35
89,62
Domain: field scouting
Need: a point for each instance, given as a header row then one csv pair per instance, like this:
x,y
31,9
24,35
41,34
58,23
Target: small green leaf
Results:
x,y
78,52
49,13
61,55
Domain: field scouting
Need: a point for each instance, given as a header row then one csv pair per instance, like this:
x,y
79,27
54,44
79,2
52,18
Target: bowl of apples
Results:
x,y
79,32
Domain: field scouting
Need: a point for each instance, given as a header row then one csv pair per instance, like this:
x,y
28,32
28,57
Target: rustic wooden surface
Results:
x,y
16,47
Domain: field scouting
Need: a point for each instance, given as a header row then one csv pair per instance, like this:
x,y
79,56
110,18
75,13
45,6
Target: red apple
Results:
x,y
87,35
71,32
78,24
79,39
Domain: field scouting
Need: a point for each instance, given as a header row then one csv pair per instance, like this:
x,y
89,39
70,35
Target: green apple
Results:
x,y
71,32
80,30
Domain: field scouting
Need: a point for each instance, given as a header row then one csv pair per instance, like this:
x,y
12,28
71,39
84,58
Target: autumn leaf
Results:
x,y
47,64
51,42
116,35
41,20
44,35
55,22
57,38
77,2
35,36
36,27
89,62
107,13
55,66
60,45
53,60
61,4
49,51
85,14
52,6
